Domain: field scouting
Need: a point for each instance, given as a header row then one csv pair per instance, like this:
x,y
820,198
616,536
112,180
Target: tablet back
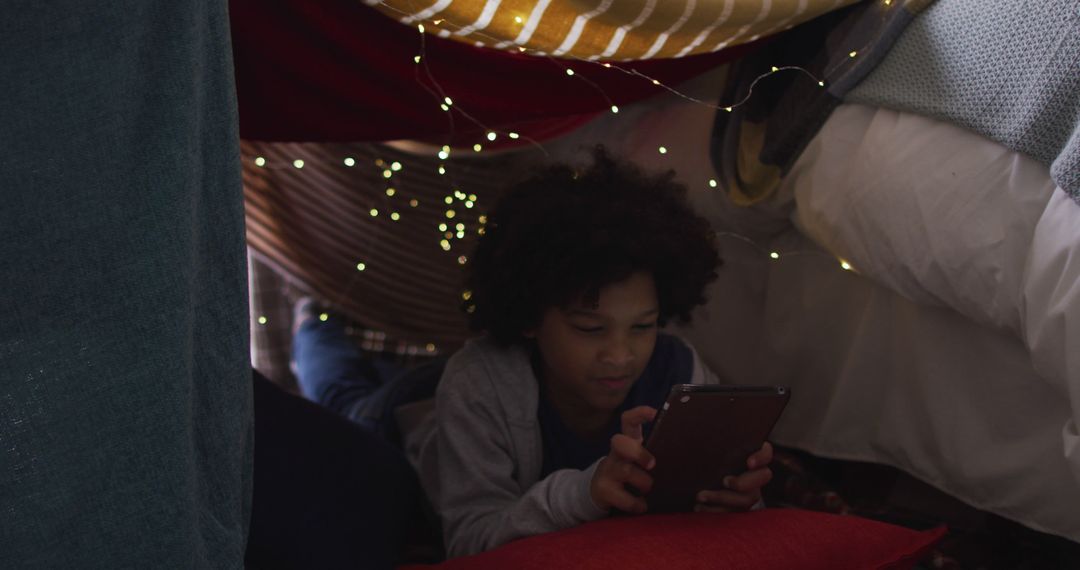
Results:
x,y
704,433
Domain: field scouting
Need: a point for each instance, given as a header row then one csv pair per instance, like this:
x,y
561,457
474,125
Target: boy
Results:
x,y
539,423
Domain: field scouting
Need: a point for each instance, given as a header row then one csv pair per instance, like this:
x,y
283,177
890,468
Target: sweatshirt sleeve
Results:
x,y
479,497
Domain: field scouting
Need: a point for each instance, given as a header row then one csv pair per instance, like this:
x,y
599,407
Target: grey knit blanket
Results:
x,y
1009,70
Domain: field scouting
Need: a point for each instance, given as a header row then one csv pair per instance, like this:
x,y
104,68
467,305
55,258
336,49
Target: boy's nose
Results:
x,y
617,354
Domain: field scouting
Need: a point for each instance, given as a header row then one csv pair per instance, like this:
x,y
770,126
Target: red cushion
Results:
x,y
771,538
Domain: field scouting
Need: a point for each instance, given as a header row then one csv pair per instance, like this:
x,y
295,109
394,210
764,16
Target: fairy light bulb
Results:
x,y
491,136
712,183
395,216
477,147
390,191
262,320
323,317
774,255
387,173
361,266
442,169
615,109
395,166
374,213
663,150
414,203
260,161
514,135
420,27
350,161
416,59
569,71
845,265
298,163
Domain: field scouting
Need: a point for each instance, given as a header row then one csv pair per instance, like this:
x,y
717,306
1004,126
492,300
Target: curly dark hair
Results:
x,y
562,233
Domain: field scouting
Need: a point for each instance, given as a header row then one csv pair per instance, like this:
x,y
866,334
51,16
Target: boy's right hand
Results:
x,y
627,463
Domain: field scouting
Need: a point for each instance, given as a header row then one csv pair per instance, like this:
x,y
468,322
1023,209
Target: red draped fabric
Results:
x,y
337,70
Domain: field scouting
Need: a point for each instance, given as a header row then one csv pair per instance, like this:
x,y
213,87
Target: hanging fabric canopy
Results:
x,y
614,30
341,71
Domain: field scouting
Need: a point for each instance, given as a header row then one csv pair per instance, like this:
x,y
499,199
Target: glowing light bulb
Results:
x,y
350,161
448,101
774,255
450,214
374,212
712,183
395,216
663,150
514,135
468,203
491,136
462,259
414,202
443,154
728,109
614,109
420,27
260,161
518,20
395,166
361,266
444,107
416,59
262,320
460,227
821,83
387,173
323,317
775,69
476,147
445,245
569,71
298,163
466,295
442,227
472,197
853,54
845,265
390,191
442,169
448,200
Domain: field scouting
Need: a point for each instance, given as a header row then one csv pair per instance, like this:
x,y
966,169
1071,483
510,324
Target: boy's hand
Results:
x,y
742,491
627,463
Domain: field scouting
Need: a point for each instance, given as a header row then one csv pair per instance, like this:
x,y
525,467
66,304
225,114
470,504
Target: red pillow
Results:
x,y
770,538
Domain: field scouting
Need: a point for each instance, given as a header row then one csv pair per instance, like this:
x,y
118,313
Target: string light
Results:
x,y
390,191
350,161
442,169
518,20
468,203
442,227
477,147
450,214
712,183
323,317
260,161
614,109
569,71
845,265
853,54
445,245
430,347
262,320
448,200
462,259
420,27
298,163
774,255
361,266
395,166
448,101
374,212
387,173
395,216
514,135
466,295
663,150
414,203
416,59
491,136
444,107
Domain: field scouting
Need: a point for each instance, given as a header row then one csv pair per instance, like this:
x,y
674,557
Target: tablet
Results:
x,y
704,433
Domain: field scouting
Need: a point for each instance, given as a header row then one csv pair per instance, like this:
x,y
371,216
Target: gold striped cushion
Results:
x,y
606,29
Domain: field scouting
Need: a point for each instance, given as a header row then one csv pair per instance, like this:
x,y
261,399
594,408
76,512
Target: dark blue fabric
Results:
x,y
328,494
671,363
125,382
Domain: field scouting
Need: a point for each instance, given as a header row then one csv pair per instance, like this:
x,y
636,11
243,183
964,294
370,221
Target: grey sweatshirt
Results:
x,y
480,453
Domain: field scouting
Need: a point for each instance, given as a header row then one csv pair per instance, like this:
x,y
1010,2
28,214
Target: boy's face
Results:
x,y
593,354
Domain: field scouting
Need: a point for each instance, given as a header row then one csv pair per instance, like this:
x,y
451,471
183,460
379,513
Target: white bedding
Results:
x,y
945,353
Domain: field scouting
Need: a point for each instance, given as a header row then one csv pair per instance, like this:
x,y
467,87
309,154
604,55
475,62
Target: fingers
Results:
x,y
725,501
749,482
631,450
634,418
761,457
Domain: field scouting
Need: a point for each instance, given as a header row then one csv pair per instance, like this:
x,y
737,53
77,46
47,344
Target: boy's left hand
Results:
x,y
742,491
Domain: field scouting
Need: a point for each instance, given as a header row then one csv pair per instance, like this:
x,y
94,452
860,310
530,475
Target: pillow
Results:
x,y
769,538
